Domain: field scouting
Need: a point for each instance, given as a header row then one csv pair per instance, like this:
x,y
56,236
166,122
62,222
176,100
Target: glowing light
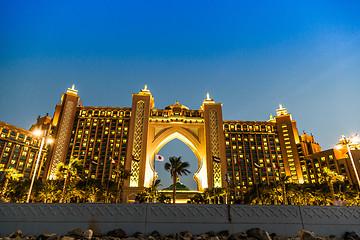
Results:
x,y
355,139
50,140
37,133
280,106
338,147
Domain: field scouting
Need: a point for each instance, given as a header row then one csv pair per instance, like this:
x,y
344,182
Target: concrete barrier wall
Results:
x,y
168,218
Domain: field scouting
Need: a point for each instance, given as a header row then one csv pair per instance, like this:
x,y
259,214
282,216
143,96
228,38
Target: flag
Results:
x,y
227,177
274,165
159,158
216,159
93,162
257,165
113,161
235,161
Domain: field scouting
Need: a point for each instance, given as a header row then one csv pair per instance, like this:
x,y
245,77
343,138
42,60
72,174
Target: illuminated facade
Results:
x,y
251,152
19,149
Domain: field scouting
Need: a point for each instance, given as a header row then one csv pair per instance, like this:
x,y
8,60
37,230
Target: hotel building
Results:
x,y
104,138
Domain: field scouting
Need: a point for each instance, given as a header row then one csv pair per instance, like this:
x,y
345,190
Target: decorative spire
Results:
x,y
271,119
208,99
281,110
72,90
145,90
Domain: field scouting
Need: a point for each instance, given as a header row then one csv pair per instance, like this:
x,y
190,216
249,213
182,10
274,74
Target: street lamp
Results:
x,y
353,141
38,133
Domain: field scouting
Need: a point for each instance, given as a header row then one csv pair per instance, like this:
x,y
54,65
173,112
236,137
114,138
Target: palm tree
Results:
x,y
108,193
9,174
121,175
176,168
49,192
152,190
215,194
92,192
69,171
283,180
330,177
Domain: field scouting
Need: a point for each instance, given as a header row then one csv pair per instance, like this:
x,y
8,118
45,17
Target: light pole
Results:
x,y
352,141
38,133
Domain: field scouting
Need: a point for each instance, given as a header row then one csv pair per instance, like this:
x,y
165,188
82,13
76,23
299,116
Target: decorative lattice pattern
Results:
x,y
55,210
137,143
215,147
187,213
257,213
331,214
63,134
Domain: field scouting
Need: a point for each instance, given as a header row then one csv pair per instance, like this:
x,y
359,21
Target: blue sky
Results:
x,y
250,55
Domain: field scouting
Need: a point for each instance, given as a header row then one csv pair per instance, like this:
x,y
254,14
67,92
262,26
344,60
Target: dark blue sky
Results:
x,y
250,55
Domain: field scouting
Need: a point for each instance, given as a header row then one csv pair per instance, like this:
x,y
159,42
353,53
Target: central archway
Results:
x,y
177,148
160,134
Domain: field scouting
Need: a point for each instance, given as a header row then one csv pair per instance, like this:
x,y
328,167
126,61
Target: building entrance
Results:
x,y
151,129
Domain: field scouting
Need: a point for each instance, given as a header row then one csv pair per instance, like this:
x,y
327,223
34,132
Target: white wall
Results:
x,y
167,218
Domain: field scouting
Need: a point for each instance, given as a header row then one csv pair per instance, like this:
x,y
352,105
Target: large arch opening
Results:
x,y
177,148
193,146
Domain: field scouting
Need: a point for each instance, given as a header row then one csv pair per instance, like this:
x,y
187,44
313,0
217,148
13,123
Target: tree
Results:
x,y
92,192
330,177
152,190
283,180
122,175
49,192
109,193
69,171
142,197
176,168
198,198
162,198
9,174
214,194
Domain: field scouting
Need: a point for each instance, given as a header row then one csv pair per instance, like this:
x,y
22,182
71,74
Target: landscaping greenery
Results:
x,y
72,186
